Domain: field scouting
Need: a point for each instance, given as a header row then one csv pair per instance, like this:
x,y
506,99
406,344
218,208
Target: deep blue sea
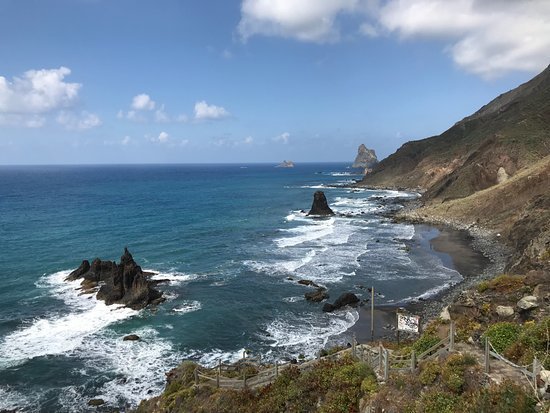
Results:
x,y
228,237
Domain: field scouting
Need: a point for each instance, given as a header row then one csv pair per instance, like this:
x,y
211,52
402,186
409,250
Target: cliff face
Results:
x,y
365,159
483,149
491,168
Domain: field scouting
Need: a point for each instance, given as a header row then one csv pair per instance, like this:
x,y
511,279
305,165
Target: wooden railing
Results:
x,y
529,371
250,373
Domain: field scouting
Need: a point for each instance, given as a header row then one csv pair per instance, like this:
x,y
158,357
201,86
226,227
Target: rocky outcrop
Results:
x,y
320,205
317,296
125,283
366,158
342,301
131,337
285,164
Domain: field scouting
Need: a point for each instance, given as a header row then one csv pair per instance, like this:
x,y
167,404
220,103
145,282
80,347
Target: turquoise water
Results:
x,y
227,236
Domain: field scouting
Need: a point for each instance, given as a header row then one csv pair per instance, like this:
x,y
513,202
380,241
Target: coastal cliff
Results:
x,y
491,170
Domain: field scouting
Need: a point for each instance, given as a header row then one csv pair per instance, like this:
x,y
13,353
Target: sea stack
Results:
x,y
365,159
320,205
125,283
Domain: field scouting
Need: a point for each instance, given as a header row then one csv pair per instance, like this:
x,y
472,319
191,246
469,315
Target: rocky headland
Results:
x,y
366,159
125,283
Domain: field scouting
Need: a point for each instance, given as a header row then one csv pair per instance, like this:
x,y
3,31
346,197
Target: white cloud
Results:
x,y
27,120
161,116
143,102
38,91
81,121
183,118
163,137
283,138
248,140
305,20
226,54
205,111
126,140
484,37
369,30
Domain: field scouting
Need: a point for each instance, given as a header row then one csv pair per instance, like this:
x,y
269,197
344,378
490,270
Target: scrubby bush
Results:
x,y
429,373
502,335
426,341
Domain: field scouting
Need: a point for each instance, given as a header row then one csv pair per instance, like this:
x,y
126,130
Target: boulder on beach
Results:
x,y
123,283
342,301
320,205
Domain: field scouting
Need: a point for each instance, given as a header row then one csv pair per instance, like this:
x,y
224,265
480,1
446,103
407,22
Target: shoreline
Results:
x,y
473,252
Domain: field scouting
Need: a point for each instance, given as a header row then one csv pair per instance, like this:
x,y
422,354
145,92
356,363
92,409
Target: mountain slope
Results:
x,y
492,168
508,134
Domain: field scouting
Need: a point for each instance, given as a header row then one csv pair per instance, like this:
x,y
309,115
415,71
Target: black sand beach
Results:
x,y
458,250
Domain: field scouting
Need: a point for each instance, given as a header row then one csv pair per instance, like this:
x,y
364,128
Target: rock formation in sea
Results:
x,y
342,301
285,164
320,205
365,159
125,283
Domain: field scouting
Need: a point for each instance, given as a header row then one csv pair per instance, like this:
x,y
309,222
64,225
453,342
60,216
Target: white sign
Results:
x,y
408,322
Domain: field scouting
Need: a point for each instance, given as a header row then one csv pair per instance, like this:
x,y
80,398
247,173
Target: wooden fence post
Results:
x,y
487,355
196,373
413,360
386,365
218,379
535,371
353,346
452,336
380,362
276,368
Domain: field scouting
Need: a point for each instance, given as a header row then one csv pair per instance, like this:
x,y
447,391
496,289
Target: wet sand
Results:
x,y
455,248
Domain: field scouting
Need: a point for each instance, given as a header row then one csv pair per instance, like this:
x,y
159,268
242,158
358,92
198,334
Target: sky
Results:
x,y
228,81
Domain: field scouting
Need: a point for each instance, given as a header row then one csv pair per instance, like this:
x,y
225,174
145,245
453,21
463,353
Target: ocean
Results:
x,y
232,239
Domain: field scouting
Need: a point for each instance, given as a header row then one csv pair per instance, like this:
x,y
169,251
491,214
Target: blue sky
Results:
x,y
104,81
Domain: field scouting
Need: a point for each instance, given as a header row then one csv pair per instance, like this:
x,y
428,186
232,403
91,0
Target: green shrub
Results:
x,y
429,373
426,341
482,286
502,335
506,397
436,401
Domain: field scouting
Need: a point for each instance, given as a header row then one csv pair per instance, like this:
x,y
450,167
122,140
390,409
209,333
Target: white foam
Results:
x,y
308,333
292,266
63,332
174,277
212,357
315,187
139,366
430,293
14,400
314,230
188,307
293,299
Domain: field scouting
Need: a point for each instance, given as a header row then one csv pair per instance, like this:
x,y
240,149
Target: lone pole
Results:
x,y
372,314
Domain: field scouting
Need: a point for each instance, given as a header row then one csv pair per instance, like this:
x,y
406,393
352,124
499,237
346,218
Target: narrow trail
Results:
x,y
499,370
